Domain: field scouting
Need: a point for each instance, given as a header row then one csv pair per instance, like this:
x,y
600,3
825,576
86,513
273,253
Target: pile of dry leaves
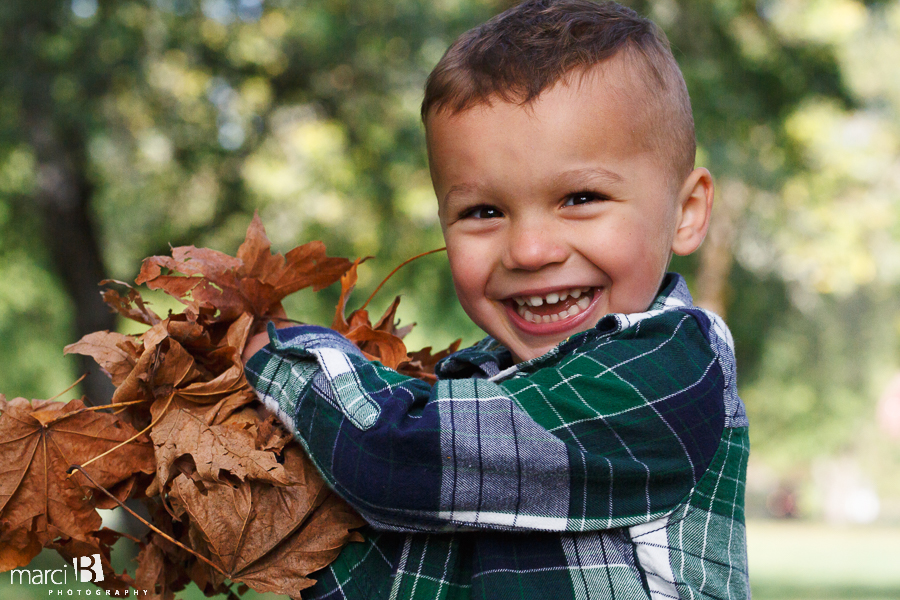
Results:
x,y
232,498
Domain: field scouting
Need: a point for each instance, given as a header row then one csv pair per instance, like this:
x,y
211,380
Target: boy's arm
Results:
x,y
610,436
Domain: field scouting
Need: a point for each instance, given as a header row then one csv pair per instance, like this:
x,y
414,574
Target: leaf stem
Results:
x,y
135,436
109,406
77,381
124,404
65,416
155,529
397,268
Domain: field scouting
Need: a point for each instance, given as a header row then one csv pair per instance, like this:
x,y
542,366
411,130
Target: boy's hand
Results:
x,y
257,342
254,344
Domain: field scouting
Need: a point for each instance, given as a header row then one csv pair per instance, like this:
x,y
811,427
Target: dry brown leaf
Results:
x,y
271,434
39,440
153,573
155,378
131,306
348,283
315,545
238,332
421,363
266,536
161,564
389,324
187,332
254,282
116,353
17,546
378,343
389,350
304,266
168,377
215,450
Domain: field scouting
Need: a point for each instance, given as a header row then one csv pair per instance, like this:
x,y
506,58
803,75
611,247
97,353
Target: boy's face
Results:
x,y
554,213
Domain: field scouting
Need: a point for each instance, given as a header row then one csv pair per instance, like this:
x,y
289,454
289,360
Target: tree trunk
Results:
x,y
63,201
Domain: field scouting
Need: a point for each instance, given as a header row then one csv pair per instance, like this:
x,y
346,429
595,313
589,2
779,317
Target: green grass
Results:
x,y
789,560
795,560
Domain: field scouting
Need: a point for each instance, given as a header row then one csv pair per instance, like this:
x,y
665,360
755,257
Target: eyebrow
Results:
x,y
575,176
461,187
588,173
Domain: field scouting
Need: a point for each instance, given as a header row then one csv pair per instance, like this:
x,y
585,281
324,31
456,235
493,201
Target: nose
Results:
x,y
533,244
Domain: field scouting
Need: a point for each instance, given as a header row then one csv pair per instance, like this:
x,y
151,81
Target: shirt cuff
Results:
x,y
301,340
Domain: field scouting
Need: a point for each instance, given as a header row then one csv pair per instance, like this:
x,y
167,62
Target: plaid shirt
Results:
x,y
611,467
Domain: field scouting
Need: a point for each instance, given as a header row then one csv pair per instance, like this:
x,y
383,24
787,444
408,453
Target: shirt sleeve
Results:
x,y
614,433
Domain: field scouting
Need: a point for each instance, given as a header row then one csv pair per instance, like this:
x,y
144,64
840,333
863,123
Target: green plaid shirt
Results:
x,y
611,467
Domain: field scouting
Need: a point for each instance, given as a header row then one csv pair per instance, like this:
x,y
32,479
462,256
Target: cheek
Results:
x,y
645,245
467,277
624,247
633,254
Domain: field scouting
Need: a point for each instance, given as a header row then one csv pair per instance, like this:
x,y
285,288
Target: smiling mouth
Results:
x,y
555,306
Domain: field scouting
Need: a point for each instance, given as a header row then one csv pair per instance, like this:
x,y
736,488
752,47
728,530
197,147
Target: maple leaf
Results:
x,y
255,281
377,343
304,266
116,353
130,306
158,572
17,546
39,440
214,450
390,324
162,565
269,537
168,377
271,435
348,283
421,363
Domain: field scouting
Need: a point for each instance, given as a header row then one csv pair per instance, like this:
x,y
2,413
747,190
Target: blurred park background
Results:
x,y
129,126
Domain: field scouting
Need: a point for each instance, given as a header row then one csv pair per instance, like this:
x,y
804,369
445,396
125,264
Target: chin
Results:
x,y
522,354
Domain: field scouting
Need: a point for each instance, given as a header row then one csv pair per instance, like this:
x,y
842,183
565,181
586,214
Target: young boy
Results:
x,y
593,446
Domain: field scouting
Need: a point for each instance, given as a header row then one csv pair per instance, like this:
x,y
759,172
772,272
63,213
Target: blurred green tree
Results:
x,y
131,126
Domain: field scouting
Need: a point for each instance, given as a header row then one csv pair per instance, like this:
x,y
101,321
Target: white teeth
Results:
x,y
552,297
582,294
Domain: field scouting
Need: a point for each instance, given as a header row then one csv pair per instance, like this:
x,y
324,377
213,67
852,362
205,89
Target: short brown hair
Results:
x,y
525,50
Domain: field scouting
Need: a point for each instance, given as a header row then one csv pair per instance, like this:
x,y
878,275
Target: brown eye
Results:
x,y
584,198
482,212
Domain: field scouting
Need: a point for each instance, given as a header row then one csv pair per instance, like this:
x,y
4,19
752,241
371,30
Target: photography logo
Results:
x,y
88,568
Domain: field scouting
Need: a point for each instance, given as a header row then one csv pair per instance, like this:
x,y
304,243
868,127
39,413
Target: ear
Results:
x,y
695,202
